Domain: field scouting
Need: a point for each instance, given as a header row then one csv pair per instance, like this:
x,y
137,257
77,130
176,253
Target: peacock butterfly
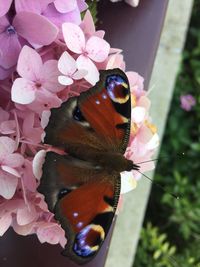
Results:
x,y
82,187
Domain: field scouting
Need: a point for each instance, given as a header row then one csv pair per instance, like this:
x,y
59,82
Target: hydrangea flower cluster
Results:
x,y
47,54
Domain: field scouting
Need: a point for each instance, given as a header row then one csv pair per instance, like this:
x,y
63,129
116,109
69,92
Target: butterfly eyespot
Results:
x,y
88,240
77,114
117,89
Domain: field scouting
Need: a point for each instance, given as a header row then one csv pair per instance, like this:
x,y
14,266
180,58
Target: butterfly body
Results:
x,y
82,187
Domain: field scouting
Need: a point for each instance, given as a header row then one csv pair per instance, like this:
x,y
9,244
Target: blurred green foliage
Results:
x,y
178,220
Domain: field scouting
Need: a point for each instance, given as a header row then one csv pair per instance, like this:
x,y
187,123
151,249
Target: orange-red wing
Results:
x,y
99,118
83,200
86,215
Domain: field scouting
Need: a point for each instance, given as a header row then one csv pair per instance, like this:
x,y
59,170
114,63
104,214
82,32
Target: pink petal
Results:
x,y
50,233
116,61
23,91
99,34
26,215
28,177
38,162
59,18
45,118
136,83
82,5
29,64
133,3
50,76
153,142
7,146
10,171
79,74
145,134
36,6
88,24
97,49
8,127
64,80
74,37
8,185
144,102
44,100
138,114
9,49
85,63
14,160
128,182
67,64
4,6
64,6
35,28
5,222
23,229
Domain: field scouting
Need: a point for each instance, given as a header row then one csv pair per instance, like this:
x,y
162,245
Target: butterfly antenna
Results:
x,y
181,154
158,185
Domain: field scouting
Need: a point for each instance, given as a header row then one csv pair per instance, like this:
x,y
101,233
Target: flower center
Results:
x,y
11,30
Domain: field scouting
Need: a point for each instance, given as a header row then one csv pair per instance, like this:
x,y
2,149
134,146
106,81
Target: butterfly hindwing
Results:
x,y
84,201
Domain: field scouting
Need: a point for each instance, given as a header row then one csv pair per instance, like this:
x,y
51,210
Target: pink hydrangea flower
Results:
x,y
26,26
67,65
9,161
92,50
36,76
61,11
187,102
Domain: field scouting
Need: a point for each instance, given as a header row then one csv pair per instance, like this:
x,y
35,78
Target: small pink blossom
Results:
x,y
51,233
88,26
187,102
94,49
36,76
9,161
61,11
25,26
68,66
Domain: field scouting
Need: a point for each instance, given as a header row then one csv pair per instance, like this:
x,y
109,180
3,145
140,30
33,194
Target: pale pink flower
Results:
x,y
45,100
88,26
116,61
7,208
94,49
4,6
9,161
61,11
27,176
36,76
187,102
51,233
26,214
67,65
7,126
136,83
26,27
